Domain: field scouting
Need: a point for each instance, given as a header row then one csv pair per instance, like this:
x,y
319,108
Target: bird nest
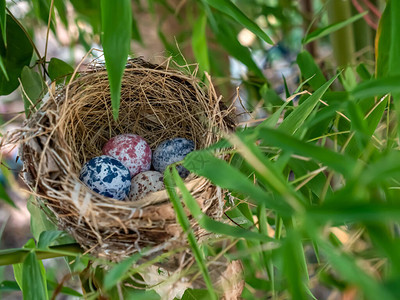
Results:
x,y
74,123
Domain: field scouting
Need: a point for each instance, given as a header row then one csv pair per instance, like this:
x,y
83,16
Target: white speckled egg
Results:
x,y
144,183
172,151
107,176
130,149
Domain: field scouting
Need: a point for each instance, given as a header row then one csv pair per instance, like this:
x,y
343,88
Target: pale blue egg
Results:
x,y
107,176
172,151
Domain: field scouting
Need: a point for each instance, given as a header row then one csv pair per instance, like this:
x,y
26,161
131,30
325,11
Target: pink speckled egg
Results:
x,y
144,183
130,149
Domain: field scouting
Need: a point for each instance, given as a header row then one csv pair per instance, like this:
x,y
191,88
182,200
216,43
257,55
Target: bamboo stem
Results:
x,y
343,39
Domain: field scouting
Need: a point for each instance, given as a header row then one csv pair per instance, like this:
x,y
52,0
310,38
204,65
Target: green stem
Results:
x,y
16,256
343,39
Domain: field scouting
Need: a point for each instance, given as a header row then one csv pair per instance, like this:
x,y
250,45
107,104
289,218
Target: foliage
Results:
x,y
312,190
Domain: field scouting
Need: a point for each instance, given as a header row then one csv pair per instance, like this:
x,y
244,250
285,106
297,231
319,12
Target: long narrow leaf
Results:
x,y
212,225
116,19
3,20
227,38
321,32
183,220
227,7
33,284
334,160
199,43
113,276
205,164
377,87
292,122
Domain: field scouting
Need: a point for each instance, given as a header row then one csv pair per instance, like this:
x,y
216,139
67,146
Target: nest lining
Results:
x,y
71,127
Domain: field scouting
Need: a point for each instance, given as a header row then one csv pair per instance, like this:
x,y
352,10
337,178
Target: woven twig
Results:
x,y
157,103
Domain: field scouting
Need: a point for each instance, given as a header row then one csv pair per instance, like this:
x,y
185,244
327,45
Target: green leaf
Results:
x,y
47,237
64,290
226,37
340,163
227,7
203,163
116,21
388,41
212,225
33,88
135,294
3,21
59,70
293,266
9,286
309,69
195,294
170,175
62,11
33,283
39,221
15,56
135,31
15,256
394,59
5,197
199,43
116,273
41,9
89,10
376,87
17,268
292,122
321,32
348,268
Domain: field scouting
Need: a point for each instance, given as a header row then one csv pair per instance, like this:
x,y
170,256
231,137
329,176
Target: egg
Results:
x,y
130,149
144,183
171,151
107,176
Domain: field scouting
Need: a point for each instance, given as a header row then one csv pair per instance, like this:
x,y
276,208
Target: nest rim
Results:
x,y
80,206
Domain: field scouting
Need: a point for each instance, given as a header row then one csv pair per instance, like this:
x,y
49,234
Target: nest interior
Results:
x,y
71,127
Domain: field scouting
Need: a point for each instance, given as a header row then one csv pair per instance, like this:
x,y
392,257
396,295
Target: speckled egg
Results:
x,y
130,149
171,151
107,176
144,183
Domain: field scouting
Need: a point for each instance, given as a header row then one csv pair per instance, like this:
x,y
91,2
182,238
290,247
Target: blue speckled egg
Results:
x,y
107,176
171,151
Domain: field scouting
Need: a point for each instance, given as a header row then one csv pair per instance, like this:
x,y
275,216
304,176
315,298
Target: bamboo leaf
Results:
x,y
212,225
321,32
340,163
309,69
347,267
394,50
116,20
203,163
3,21
169,175
199,43
5,197
113,276
227,7
33,283
47,237
226,36
376,87
39,220
292,122
294,271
